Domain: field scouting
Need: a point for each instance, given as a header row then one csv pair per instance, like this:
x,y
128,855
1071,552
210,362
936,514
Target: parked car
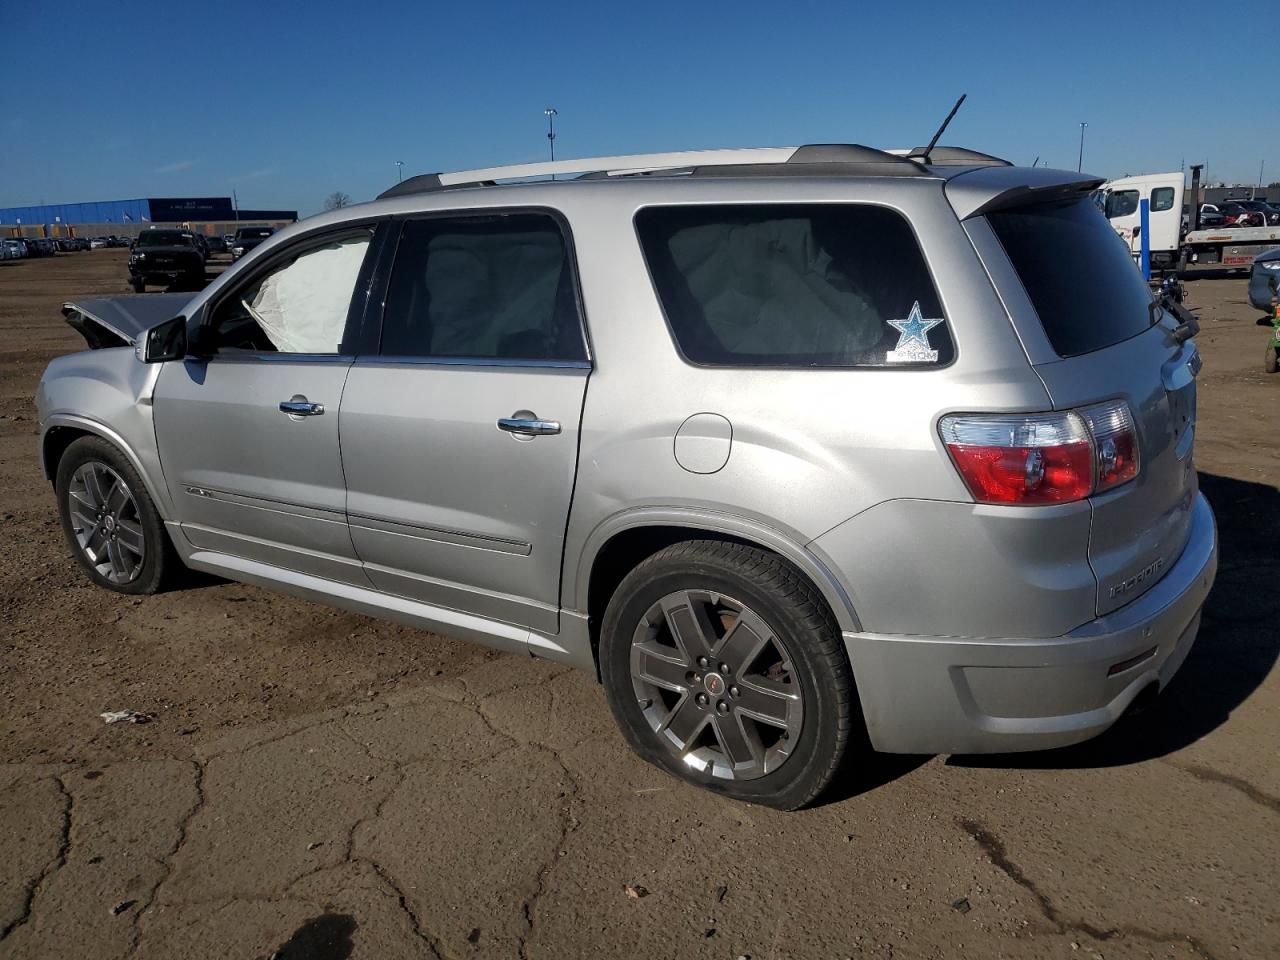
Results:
x,y
229,239
1266,213
1264,293
216,244
114,241
775,437
247,238
1210,216
98,243
168,257
42,246
1235,214
1264,280
12,249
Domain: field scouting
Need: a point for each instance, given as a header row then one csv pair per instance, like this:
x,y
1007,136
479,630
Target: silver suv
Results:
x,y
794,449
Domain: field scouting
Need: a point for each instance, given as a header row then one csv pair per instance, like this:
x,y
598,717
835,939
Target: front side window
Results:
x,y
1161,199
483,287
794,285
300,306
1121,203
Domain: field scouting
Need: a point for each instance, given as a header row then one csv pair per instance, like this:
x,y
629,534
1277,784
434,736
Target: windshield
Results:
x,y
164,238
1080,277
253,233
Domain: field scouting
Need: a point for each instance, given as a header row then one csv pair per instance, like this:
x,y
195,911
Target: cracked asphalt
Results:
x,y
316,784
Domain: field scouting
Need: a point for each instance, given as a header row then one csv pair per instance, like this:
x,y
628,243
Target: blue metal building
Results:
x,y
149,210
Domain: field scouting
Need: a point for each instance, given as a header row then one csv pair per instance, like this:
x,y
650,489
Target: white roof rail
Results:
x,y
619,166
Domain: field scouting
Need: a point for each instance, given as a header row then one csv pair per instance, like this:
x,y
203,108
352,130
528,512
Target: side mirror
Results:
x,y
166,341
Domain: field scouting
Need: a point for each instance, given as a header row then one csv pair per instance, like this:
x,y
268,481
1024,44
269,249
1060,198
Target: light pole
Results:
x,y
399,171
1080,161
550,113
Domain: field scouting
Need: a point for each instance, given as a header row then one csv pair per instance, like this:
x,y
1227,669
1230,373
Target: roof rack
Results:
x,y
952,157
830,159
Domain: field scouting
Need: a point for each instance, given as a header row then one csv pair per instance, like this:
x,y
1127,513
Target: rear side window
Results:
x,y
792,285
483,287
1079,275
1162,199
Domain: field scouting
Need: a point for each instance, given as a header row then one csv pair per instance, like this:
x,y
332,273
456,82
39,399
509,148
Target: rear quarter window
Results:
x,y
1079,274
794,285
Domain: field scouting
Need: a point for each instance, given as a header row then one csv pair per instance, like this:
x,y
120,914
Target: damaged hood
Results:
x,y
118,321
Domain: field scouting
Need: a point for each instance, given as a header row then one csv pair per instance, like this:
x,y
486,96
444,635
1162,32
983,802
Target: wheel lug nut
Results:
x,y
702,699
702,662
721,707
724,668
735,692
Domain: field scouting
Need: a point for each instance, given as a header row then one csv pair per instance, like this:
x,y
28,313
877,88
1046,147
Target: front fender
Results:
x,y
106,393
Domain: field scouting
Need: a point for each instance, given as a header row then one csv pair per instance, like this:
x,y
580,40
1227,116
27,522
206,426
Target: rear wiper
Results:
x,y
1188,324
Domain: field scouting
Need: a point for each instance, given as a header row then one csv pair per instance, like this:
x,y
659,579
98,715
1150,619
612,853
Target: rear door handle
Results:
x,y
526,425
300,406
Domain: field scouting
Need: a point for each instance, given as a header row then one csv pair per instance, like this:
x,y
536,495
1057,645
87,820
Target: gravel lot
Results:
x,y
318,784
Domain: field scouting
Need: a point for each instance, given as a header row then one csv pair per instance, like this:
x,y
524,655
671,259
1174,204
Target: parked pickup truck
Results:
x,y
171,257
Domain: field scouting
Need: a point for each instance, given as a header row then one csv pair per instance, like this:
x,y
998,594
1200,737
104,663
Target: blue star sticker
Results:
x,y
913,342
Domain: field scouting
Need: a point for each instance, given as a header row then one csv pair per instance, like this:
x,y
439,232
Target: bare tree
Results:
x,y
337,200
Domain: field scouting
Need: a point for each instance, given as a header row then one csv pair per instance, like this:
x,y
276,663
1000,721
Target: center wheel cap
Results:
x,y
714,684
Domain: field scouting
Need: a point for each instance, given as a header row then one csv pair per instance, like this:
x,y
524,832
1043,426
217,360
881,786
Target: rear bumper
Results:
x,y
949,695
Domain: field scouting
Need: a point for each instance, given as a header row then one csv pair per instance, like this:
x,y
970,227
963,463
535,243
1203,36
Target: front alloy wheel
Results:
x,y
109,520
106,522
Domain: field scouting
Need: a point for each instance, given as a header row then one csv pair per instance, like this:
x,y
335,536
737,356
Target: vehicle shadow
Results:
x,y
1237,647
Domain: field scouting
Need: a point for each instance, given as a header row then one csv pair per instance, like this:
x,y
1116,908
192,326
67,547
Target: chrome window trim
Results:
x,y
378,360
232,355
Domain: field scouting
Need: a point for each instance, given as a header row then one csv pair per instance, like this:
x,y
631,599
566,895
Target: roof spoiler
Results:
x,y
984,189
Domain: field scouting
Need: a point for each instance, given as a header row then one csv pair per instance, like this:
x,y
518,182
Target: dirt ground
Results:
x,y
316,784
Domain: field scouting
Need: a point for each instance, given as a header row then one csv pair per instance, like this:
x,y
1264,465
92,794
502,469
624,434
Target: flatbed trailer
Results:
x,y
1227,246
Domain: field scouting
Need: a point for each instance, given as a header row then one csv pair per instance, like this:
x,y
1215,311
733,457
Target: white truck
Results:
x,y
1170,248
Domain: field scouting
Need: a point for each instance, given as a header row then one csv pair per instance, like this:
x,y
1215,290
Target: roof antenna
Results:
x,y
924,157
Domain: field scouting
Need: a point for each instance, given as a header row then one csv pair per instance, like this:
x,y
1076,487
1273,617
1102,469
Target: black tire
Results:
x,y
138,284
1270,363
160,560
792,610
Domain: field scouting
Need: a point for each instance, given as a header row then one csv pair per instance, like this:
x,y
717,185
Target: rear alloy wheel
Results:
x,y
110,521
724,667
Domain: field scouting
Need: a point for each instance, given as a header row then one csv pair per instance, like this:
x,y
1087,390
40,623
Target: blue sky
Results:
x,y
286,102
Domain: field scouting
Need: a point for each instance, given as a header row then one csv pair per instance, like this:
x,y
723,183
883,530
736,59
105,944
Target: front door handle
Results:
x,y
525,425
300,406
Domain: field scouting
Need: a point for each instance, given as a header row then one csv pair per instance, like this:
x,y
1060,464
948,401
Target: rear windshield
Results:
x,y
164,238
1079,274
253,233
794,285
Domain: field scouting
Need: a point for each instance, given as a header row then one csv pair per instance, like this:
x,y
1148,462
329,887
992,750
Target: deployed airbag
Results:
x,y
303,307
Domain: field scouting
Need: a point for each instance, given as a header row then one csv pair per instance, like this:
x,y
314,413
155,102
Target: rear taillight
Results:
x,y
1115,443
1042,458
